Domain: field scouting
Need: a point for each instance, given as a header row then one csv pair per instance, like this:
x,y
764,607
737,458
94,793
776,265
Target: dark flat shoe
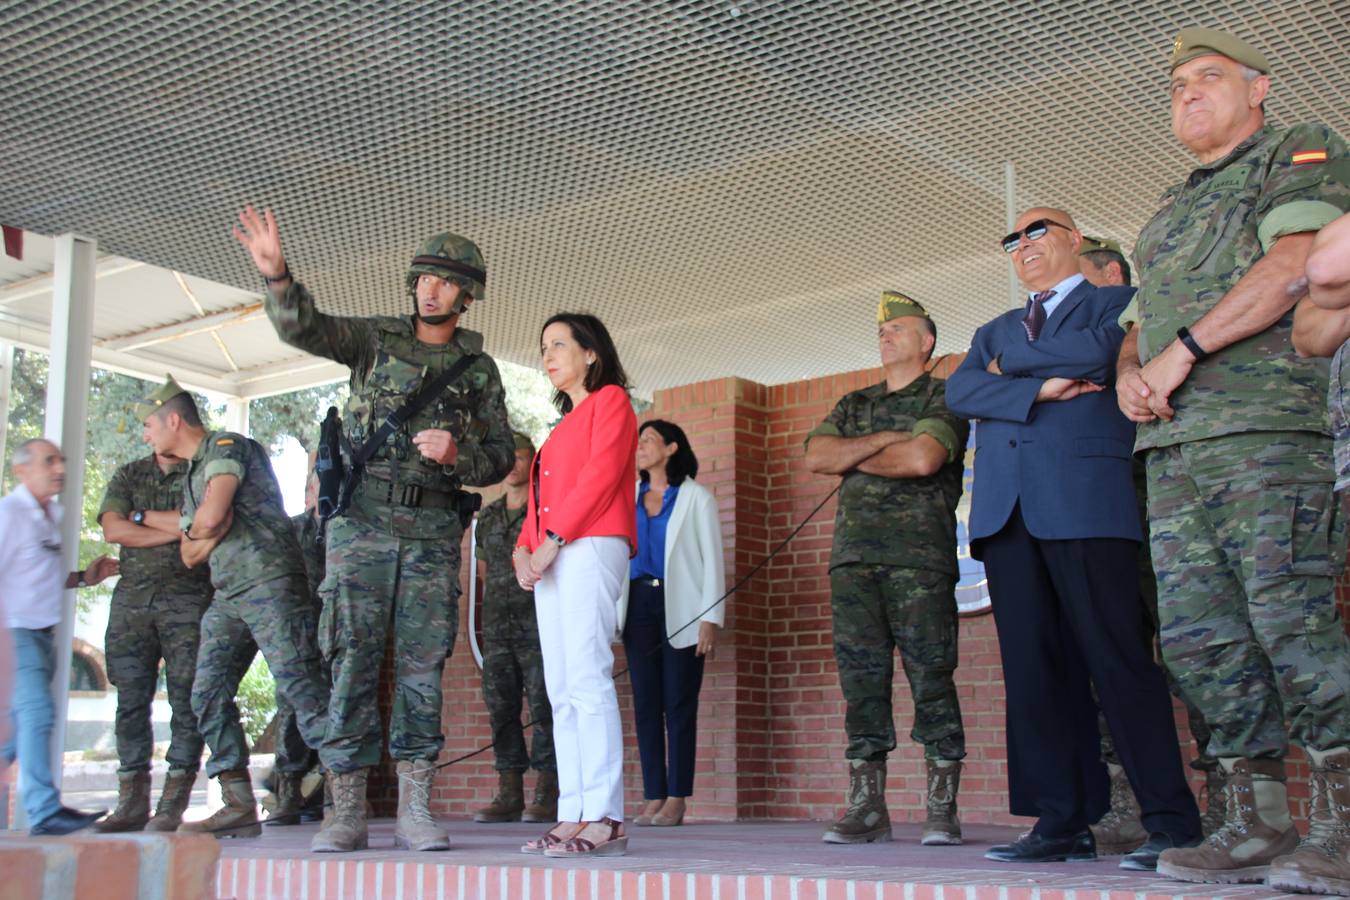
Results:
x,y
1032,848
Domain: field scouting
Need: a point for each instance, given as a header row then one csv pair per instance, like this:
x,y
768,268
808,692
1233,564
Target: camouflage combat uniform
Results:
x,y
156,612
393,557
1248,537
512,663
260,594
292,754
893,575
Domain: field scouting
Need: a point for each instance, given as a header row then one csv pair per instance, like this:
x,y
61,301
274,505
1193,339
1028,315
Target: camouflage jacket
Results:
x,y
141,484
260,544
908,522
388,365
495,539
308,535
1209,233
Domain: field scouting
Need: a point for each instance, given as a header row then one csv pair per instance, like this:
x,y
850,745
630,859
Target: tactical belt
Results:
x,y
414,496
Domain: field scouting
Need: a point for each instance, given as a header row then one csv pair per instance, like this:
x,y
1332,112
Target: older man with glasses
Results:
x,y
1055,521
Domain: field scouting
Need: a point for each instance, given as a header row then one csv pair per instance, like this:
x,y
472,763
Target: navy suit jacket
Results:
x,y
1067,462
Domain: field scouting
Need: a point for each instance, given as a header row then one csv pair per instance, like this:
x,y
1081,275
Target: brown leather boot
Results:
x,y
416,828
174,798
344,822
238,817
866,818
1212,793
289,802
943,827
509,802
544,808
1120,830
1321,864
1256,829
133,804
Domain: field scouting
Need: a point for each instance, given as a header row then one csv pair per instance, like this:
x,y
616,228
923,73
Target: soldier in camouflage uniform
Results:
x,y
513,665
233,516
393,556
1248,537
893,571
156,613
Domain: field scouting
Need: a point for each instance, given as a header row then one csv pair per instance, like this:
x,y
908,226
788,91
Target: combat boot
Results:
x,y
288,800
509,802
1121,829
238,817
1321,864
174,798
1256,829
133,804
545,805
866,818
416,829
943,827
1212,793
344,820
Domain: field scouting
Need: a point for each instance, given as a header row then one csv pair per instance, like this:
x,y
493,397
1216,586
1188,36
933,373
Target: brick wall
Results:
x,y
771,736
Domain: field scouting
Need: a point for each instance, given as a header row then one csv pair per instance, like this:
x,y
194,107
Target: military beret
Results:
x,y
895,305
148,406
523,442
1092,245
1193,42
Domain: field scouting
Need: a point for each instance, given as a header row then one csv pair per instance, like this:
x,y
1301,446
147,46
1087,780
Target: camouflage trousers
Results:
x,y
513,669
874,610
375,582
144,627
1248,540
276,616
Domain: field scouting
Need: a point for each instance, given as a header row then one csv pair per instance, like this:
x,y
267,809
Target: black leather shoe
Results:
x,y
65,820
1145,859
1036,848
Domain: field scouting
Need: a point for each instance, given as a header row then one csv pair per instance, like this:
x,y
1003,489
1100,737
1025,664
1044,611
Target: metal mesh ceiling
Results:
x,y
727,184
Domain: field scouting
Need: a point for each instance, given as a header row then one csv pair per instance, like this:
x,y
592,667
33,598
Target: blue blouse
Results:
x,y
650,561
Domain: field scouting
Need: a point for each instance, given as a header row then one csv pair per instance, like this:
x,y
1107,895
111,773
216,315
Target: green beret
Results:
x,y
1092,245
148,406
523,442
895,305
1192,43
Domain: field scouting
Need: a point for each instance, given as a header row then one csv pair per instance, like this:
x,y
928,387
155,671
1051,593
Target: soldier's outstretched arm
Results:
x,y
486,449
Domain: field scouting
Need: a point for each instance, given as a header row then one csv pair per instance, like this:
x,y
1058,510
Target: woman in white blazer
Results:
x,y
673,616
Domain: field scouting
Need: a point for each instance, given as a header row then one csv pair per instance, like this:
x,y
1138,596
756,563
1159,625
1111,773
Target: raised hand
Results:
x,y
262,240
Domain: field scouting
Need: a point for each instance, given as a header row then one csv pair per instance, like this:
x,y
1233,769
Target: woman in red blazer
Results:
x,y
580,530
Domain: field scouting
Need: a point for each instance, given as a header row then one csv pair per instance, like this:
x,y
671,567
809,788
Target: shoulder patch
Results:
x,y
1304,157
224,442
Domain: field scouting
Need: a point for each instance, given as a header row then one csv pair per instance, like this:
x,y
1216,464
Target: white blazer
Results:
x,y
695,572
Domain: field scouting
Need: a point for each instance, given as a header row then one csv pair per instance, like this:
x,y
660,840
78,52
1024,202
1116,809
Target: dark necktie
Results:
x,y
1035,317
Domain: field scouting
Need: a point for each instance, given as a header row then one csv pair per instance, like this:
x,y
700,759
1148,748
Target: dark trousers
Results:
x,y
666,683
1068,611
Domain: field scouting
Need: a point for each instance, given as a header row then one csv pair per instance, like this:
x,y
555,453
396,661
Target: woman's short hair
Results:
x,y
590,333
682,463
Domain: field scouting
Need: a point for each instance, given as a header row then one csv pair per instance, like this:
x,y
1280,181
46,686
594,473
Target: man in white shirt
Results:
x,y
31,584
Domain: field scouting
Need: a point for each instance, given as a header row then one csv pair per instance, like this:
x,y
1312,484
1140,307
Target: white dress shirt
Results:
x,y
32,574
1062,290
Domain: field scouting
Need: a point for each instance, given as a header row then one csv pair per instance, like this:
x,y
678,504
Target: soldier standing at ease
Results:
x,y
156,613
893,571
1248,536
393,557
513,665
234,517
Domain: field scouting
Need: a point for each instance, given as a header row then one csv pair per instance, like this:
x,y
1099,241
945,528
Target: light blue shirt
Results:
x,y
1062,290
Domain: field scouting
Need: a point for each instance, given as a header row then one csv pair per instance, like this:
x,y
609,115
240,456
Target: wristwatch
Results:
x,y
556,538
138,517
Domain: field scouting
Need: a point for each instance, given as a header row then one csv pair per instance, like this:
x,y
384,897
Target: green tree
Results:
x,y
296,414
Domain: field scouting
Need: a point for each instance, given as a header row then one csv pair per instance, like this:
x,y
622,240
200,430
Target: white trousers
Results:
x,y
576,603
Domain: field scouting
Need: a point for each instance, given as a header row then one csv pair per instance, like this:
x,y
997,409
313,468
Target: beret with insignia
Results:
x,y
1194,42
1092,245
895,305
148,406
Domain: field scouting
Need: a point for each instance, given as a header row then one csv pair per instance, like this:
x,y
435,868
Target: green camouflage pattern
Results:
x,y
454,249
513,664
1209,233
277,617
375,581
260,545
876,608
293,755
155,613
309,535
1338,407
1248,541
908,522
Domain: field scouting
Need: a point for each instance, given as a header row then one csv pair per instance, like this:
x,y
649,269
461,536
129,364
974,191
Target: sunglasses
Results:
x,y
1033,232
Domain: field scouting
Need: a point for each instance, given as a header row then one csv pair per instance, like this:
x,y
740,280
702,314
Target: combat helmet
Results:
x,y
453,258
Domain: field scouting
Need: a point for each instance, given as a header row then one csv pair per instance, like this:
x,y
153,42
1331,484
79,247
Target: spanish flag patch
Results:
x,y
1303,157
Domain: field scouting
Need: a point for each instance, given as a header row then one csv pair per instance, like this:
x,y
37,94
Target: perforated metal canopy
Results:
x,y
727,184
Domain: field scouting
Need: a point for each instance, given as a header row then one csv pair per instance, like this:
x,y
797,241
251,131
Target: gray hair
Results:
x,y
24,453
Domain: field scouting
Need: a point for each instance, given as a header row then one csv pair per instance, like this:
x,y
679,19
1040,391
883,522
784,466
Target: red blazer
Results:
x,y
583,475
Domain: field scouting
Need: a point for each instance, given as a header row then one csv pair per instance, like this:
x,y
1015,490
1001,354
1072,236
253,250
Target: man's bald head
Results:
x,y
1044,261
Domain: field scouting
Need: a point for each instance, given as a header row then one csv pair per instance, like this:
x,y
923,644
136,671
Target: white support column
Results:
x,y
1019,297
6,379
66,422
236,415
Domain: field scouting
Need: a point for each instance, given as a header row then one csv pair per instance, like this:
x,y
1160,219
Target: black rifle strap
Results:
x,y
415,404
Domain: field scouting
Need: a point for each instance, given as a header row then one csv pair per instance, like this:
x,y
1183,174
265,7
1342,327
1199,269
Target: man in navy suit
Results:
x,y
1054,520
